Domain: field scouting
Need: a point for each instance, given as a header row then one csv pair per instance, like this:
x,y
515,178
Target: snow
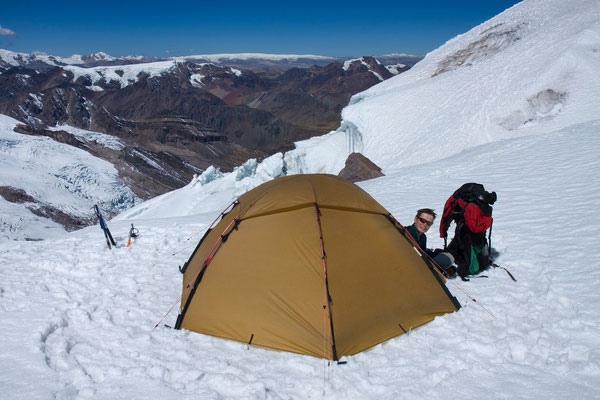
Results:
x,y
19,223
533,50
521,119
75,62
196,80
396,68
348,63
213,188
399,55
219,58
124,75
56,174
12,58
109,141
37,101
149,161
79,323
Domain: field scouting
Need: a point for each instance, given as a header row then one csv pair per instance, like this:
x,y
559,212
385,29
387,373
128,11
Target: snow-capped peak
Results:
x,y
220,58
100,56
23,59
364,61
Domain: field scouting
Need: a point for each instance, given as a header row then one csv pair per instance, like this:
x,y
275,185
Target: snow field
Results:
x,y
52,173
543,333
531,69
80,319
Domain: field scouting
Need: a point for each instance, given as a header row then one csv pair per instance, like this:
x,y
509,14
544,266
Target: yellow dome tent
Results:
x,y
309,264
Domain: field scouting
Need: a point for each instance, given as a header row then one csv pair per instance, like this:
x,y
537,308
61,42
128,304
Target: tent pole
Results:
x,y
327,296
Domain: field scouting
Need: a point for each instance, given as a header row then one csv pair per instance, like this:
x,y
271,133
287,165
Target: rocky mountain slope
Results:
x,y
175,118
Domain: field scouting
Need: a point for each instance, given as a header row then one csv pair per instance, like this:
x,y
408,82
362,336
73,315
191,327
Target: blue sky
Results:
x,y
160,29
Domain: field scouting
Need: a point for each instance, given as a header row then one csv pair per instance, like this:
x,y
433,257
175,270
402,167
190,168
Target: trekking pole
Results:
x,y
490,242
104,227
490,253
507,271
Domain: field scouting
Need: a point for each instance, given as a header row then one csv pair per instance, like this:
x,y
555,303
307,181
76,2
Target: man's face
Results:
x,y
423,222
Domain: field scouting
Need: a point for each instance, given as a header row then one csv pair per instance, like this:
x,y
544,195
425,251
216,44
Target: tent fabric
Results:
x,y
259,275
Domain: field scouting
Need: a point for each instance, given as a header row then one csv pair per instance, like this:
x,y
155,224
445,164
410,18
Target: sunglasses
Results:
x,y
423,220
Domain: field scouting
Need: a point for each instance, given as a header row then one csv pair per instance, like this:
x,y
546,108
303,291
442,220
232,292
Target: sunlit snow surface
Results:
x,y
56,174
531,69
78,319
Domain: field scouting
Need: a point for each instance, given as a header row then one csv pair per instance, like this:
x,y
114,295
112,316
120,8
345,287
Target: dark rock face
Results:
x,y
70,222
15,195
313,98
359,168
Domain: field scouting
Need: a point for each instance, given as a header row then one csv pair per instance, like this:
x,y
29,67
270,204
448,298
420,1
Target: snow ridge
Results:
x,y
528,70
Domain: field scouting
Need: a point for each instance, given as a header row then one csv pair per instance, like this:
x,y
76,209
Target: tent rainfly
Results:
x,y
309,264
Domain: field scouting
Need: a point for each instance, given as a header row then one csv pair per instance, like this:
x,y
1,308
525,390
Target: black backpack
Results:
x,y
470,208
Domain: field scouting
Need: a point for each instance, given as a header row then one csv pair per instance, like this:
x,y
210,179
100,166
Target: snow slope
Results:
x,y
124,75
532,69
55,174
79,321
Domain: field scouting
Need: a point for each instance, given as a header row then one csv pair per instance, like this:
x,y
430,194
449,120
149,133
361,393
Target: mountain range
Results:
x,y
174,118
258,61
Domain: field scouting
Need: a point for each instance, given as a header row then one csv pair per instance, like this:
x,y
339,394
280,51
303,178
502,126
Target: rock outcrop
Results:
x,y
360,168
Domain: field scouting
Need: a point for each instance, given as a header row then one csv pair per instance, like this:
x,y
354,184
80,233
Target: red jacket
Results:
x,y
475,219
